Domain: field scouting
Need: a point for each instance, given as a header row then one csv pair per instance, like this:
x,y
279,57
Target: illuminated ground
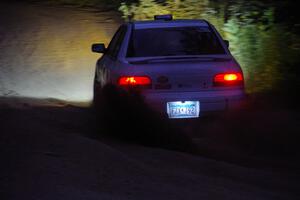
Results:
x,y
45,51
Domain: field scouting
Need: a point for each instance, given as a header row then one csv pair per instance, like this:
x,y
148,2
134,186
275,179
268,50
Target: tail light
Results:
x,y
143,81
228,79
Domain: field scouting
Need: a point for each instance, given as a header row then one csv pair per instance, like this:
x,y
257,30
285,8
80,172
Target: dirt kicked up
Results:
x,y
45,51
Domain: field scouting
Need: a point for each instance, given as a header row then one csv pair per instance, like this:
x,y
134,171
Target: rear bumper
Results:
x,y
210,101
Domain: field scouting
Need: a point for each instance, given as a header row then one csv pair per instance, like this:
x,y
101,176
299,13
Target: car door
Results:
x,y
110,58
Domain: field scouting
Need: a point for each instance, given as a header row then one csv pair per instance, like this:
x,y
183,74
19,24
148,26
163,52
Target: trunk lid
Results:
x,y
184,74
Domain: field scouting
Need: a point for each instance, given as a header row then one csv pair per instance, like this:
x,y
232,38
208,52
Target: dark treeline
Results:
x,y
286,11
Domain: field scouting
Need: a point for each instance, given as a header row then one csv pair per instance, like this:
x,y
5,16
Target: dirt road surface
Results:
x,y
59,152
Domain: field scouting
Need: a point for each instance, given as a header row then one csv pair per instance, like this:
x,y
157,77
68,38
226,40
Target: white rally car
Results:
x,y
182,68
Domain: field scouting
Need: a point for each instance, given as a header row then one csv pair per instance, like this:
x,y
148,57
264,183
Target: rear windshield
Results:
x,y
173,41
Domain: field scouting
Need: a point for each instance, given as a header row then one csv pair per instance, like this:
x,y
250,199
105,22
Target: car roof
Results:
x,y
169,23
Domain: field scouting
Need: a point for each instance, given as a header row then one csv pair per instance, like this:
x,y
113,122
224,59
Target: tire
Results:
x,y
97,93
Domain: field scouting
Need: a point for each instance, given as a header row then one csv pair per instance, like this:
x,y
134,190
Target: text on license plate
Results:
x,y
183,109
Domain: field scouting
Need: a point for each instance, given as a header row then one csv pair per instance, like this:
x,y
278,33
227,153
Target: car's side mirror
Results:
x,y
226,43
98,48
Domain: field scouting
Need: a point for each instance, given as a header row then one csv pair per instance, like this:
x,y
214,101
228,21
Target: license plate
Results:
x,y
183,109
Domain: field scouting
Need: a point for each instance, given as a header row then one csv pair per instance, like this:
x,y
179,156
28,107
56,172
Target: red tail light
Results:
x,y
134,81
228,79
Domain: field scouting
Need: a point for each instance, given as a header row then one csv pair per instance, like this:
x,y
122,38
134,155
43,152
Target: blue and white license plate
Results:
x,y
183,109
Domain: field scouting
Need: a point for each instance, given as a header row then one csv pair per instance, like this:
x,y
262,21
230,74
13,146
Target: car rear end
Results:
x,y
182,68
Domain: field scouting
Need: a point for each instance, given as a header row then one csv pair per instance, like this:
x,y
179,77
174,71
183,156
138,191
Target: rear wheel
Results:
x,y
97,93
